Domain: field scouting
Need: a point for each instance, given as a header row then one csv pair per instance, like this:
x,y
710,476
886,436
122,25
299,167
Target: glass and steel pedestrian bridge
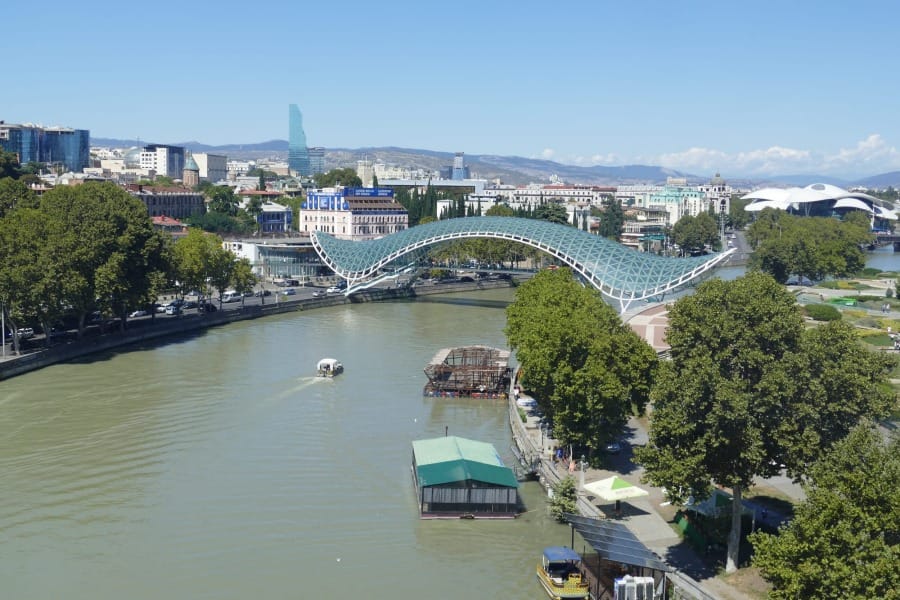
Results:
x,y
619,273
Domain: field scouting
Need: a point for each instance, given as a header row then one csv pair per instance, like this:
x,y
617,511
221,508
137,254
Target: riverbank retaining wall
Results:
x,y
161,328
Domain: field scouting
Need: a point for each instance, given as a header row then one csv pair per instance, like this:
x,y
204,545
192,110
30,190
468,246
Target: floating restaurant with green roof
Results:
x,y
460,478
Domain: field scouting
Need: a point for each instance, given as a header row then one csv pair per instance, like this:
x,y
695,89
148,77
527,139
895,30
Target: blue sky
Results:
x,y
748,89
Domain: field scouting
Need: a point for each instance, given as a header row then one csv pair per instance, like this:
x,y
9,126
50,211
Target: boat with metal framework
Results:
x,y
329,367
560,573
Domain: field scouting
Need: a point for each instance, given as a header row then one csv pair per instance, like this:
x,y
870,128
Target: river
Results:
x,y
217,466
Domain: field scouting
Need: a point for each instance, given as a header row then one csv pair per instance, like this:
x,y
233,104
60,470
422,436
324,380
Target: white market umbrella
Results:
x,y
614,489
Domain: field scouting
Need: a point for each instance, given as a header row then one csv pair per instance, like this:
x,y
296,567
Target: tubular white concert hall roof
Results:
x,y
784,199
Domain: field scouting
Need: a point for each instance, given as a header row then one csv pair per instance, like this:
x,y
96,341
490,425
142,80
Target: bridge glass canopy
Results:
x,y
619,272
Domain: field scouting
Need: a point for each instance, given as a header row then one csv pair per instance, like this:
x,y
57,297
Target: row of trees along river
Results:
x,y
749,391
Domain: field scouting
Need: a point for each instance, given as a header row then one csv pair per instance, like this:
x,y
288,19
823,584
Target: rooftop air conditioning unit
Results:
x,y
633,588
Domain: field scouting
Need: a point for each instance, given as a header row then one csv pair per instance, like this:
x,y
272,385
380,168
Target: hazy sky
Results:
x,y
745,88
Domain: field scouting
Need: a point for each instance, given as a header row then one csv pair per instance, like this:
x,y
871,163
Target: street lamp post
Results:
x,y
583,464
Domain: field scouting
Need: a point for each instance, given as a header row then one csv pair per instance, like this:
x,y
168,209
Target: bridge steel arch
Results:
x,y
621,274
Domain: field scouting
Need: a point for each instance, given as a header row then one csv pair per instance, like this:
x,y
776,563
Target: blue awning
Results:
x,y
560,553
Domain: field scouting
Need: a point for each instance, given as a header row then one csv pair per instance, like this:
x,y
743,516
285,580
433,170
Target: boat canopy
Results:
x,y
328,362
560,554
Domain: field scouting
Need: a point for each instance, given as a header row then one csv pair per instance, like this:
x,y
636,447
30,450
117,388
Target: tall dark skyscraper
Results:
x,y
298,154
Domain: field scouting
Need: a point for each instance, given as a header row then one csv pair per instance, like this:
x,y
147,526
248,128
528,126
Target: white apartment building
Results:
x,y
164,160
213,167
236,168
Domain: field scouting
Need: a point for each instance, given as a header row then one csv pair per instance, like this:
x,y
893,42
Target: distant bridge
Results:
x,y
619,273
883,239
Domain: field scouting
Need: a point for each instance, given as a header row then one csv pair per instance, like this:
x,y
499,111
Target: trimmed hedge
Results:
x,y
822,312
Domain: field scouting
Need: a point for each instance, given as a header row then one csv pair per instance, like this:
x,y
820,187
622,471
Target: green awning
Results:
x,y
452,459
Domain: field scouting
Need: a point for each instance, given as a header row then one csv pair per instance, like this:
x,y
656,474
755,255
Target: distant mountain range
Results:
x,y
514,170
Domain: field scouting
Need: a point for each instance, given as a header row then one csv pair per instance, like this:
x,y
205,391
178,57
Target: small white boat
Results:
x,y
329,367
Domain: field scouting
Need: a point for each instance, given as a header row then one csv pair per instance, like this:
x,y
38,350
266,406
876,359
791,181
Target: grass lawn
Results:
x,y
878,339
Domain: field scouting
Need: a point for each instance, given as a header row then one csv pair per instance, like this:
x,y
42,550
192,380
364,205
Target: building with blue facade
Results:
x,y
298,153
353,213
56,146
272,217
458,171
70,148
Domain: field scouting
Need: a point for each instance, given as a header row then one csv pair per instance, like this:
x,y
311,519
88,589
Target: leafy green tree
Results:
x,y
837,381
500,210
844,540
552,212
104,248
216,222
9,165
242,278
374,180
202,263
26,291
565,499
746,390
738,218
223,200
346,177
693,234
254,209
587,377
612,221
14,193
811,247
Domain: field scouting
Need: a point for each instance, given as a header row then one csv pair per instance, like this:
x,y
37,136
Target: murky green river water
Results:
x,y
217,466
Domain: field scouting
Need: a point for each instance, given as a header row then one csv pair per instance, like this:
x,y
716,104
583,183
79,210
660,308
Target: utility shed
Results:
x,y
460,478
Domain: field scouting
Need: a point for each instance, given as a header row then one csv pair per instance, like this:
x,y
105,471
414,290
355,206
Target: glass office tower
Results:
x,y
316,160
298,154
68,147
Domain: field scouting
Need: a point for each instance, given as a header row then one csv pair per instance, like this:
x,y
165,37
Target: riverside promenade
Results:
x,y
648,518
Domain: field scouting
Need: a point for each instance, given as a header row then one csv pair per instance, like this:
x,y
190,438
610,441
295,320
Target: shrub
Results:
x,y
823,312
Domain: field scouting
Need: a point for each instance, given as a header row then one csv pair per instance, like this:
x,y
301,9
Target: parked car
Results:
x,y
208,307
25,333
334,290
189,304
613,447
137,313
173,309
318,294
261,293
